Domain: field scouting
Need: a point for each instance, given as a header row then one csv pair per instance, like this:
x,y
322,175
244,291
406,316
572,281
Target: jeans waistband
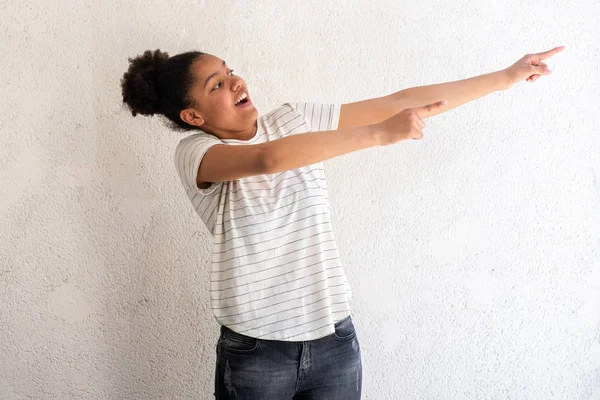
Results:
x,y
340,322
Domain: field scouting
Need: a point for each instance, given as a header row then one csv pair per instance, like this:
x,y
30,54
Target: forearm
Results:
x,y
456,93
309,148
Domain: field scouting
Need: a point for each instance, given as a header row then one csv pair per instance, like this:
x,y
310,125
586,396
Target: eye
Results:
x,y
220,82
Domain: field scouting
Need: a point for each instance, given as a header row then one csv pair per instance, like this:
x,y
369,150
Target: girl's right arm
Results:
x,y
226,163
309,148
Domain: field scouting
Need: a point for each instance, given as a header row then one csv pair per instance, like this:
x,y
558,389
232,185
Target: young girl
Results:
x,y
277,286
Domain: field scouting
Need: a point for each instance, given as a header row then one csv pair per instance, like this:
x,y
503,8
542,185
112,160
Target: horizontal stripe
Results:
x,y
274,219
271,249
266,191
249,180
278,322
240,294
276,228
187,160
247,245
220,289
318,195
317,190
273,258
303,333
230,203
280,293
273,210
290,299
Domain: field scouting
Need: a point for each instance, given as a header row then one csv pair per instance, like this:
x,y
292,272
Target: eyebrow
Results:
x,y
211,76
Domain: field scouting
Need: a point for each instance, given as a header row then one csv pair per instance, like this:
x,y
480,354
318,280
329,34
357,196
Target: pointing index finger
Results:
x,y
550,53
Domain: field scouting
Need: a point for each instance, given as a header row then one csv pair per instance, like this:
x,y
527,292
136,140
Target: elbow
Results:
x,y
267,162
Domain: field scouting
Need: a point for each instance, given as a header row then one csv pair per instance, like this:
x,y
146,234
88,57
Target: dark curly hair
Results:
x,y
158,84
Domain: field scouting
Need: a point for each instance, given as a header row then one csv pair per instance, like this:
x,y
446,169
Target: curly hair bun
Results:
x,y
138,84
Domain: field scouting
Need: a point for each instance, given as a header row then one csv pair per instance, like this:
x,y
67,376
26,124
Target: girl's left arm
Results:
x,y
456,93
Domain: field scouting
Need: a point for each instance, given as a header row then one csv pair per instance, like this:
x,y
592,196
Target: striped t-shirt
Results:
x,y
275,272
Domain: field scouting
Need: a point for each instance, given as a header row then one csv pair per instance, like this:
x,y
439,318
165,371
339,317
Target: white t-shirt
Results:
x,y
275,272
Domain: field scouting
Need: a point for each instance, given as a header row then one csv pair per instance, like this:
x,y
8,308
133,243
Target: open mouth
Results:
x,y
242,100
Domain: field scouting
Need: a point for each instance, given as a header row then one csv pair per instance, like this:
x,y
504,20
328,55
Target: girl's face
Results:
x,y
216,91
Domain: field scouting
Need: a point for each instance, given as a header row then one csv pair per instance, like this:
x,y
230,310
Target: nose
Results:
x,y
237,83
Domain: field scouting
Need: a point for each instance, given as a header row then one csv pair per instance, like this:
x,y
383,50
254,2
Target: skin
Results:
x,y
528,68
404,114
215,112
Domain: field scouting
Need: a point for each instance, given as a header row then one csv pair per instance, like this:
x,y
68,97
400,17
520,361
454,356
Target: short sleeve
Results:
x,y
320,117
187,158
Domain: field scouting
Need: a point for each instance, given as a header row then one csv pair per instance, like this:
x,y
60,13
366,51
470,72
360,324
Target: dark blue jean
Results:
x,y
328,368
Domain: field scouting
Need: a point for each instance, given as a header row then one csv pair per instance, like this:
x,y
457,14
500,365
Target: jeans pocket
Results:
x,y
236,343
344,330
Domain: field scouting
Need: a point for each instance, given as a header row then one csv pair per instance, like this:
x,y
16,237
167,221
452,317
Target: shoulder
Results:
x,y
193,141
196,138
279,108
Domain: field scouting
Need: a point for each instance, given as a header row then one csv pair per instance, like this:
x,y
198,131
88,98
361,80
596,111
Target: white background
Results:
x,y
474,253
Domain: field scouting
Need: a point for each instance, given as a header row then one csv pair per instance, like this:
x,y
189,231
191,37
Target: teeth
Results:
x,y
242,97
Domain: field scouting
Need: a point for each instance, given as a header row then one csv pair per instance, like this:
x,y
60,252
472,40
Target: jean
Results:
x,y
327,368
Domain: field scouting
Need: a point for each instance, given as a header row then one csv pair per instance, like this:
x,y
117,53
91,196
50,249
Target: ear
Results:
x,y
191,117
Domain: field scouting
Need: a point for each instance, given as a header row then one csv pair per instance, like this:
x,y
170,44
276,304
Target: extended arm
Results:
x,y
366,112
456,93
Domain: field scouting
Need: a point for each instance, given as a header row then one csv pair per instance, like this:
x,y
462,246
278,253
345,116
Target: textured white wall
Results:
x,y
474,253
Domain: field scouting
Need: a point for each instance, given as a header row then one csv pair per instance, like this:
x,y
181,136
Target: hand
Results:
x,y
407,124
530,67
